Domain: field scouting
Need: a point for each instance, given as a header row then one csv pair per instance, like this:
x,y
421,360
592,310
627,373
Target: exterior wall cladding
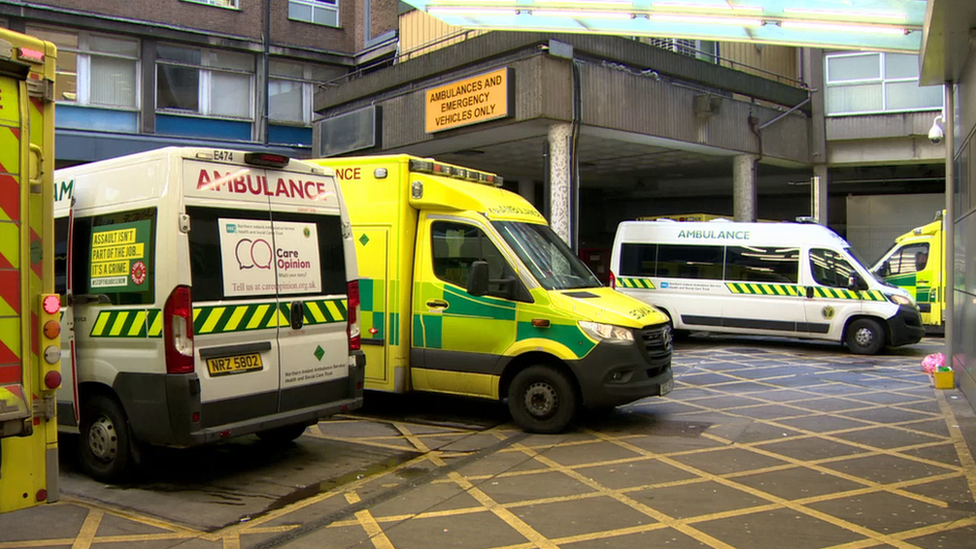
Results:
x,y
248,21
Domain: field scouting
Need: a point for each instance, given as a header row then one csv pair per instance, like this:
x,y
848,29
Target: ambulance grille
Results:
x,y
657,340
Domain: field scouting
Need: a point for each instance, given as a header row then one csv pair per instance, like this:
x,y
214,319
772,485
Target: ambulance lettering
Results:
x,y
242,182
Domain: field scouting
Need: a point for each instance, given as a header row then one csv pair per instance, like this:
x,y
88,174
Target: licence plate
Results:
x,y
234,364
667,387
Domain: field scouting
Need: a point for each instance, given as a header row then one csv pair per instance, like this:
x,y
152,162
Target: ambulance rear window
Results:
x,y
115,255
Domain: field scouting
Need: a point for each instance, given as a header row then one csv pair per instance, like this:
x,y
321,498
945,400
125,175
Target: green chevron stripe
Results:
x,y
128,323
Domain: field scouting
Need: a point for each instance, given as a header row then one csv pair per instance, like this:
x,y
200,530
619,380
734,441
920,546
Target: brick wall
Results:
x,y
384,16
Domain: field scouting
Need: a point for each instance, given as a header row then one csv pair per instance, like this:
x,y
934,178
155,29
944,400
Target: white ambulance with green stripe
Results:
x,y
778,279
466,290
210,294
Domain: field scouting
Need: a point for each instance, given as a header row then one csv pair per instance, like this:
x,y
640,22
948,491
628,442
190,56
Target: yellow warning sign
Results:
x,y
471,101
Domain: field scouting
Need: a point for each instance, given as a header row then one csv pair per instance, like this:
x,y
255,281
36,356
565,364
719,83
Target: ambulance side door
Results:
x,y
828,302
763,282
68,413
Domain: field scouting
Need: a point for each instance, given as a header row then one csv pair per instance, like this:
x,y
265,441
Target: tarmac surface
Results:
x,y
763,444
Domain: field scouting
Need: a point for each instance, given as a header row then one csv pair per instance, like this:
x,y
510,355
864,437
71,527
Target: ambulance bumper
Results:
x,y
905,328
614,374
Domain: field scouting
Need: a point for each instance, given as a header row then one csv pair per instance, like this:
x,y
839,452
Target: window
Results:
x,y
549,259
321,271
207,82
93,69
61,256
690,261
235,4
100,265
909,259
291,87
862,83
830,268
756,264
705,50
322,12
638,259
456,246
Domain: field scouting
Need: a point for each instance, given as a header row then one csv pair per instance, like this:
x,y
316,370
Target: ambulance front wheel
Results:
x,y
541,400
865,336
104,449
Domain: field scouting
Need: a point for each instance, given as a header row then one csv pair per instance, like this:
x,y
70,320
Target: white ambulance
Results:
x,y
209,294
780,279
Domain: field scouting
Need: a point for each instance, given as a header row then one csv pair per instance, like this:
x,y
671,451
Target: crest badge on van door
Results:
x,y
827,312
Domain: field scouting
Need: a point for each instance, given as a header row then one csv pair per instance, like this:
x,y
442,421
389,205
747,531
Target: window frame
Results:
x,y
508,271
785,250
205,85
882,79
316,4
214,4
831,261
83,73
900,253
308,94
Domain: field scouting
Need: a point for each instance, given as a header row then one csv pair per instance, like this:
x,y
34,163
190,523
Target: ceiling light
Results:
x,y
575,14
848,15
703,19
704,7
823,26
471,12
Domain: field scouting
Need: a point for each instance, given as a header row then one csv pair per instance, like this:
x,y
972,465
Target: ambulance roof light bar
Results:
x,y
429,166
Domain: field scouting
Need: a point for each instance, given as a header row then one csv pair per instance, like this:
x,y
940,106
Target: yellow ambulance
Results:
x,y
916,264
466,290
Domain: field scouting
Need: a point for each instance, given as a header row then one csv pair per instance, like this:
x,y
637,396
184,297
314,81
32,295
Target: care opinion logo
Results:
x,y
253,253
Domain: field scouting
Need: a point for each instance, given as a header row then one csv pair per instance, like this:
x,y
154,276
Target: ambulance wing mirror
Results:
x,y
478,279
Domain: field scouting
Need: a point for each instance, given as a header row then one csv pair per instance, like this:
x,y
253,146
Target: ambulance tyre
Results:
x,y
542,400
865,336
104,444
282,435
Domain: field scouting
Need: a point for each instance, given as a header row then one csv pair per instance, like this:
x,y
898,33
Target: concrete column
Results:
x,y
818,190
949,248
560,172
744,201
526,188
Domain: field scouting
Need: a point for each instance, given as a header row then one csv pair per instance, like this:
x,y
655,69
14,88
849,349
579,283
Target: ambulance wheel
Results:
x,y
865,336
282,435
542,400
104,450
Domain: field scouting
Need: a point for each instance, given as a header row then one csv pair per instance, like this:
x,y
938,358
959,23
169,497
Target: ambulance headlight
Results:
x,y
900,299
608,332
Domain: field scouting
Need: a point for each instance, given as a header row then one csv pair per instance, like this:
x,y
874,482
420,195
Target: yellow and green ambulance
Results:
x,y
916,263
466,290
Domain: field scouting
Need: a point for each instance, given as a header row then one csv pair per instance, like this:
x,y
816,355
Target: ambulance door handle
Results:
x,y
436,304
809,292
297,315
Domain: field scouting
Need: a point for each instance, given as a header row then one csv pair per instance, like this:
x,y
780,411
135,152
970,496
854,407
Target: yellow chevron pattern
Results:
x,y
640,283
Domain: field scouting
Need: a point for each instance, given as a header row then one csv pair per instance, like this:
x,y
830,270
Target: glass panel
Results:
x,y
66,82
301,12
859,98
638,259
751,264
329,2
232,60
60,39
231,95
689,261
909,95
177,88
61,255
549,259
858,67
175,53
286,100
456,246
910,259
326,16
901,65
105,44
284,68
829,268
113,81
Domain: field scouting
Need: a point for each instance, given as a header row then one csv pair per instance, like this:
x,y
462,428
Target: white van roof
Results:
x,y
706,232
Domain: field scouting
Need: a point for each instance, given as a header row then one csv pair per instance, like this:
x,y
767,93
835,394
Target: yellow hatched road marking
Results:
x,y
212,319
88,529
235,318
119,323
962,449
257,317
366,520
138,323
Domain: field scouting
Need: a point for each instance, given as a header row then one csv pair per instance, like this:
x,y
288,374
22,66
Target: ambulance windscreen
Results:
x,y
546,256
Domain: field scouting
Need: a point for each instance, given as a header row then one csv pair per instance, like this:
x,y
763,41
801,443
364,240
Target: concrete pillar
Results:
x,y
526,188
744,200
560,172
818,194
949,247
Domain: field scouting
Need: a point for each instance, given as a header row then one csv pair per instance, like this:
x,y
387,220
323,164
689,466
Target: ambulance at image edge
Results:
x,y
209,294
30,349
916,264
778,279
466,290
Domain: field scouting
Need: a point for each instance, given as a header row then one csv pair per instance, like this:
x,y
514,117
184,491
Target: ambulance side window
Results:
x,y
909,259
690,261
115,255
758,264
456,246
830,268
638,259
61,256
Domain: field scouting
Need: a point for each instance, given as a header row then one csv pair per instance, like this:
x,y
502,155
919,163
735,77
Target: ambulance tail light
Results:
x,y
178,331
613,281
352,323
